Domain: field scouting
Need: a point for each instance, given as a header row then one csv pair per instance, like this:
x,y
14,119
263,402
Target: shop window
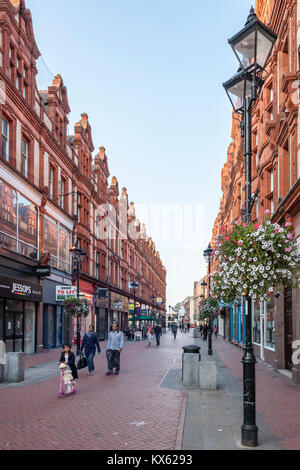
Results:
x,y
256,322
27,228
270,325
18,222
5,139
57,243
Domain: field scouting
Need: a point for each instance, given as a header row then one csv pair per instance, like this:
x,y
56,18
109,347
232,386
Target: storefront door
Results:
x,y
55,327
14,326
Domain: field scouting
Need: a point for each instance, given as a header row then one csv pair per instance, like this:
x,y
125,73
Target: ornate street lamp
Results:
x,y
252,46
134,286
208,257
78,256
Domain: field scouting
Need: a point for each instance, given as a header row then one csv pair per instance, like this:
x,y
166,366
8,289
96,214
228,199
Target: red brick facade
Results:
x,y
64,184
275,164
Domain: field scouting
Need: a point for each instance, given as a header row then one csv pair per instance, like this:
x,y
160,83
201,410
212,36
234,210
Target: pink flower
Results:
x,y
288,250
290,236
267,211
240,243
257,225
288,224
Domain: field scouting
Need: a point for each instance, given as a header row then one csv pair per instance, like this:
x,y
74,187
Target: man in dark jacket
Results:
x,y
158,333
89,344
174,330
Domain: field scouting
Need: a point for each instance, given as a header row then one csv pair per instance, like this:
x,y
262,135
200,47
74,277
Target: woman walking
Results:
x,y
149,335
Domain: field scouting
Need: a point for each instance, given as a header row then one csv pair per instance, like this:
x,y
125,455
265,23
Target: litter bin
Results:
x,y
190,364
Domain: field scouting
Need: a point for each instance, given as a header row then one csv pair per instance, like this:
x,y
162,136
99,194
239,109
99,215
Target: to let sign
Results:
x,y
65,292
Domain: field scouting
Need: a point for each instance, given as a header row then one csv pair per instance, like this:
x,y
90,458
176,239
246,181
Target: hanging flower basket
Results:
x,y
208,309
255,261
75,306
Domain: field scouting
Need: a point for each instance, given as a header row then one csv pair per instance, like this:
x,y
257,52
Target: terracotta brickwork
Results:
x,y
276,157
60,175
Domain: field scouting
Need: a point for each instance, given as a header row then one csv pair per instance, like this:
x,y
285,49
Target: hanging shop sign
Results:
x,y
42,271
65,292
21,290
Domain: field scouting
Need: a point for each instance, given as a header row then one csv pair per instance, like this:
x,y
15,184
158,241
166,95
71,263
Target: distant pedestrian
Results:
x,y
158,334
174,330
89,344
114,349
205,332
188,327
201,330
149,335
216,332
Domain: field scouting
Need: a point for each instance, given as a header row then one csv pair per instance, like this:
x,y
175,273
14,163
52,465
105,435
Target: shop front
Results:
x,y
56,324
19,300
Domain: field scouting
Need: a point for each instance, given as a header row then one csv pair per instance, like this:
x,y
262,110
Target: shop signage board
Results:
x,y
42,271
65,292
20,290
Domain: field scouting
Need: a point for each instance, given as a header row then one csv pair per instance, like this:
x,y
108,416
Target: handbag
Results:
x,y
82,363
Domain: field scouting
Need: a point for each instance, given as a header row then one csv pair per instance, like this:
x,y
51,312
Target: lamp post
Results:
x,y
134,286
252,46
208,256
78,256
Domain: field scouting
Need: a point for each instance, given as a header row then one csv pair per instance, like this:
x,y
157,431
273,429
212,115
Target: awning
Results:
x,y
144,318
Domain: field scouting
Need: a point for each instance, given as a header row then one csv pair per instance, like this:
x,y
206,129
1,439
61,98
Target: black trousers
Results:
x,y
113,358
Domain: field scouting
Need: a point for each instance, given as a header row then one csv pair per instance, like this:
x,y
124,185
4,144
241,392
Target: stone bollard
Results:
x,y
196,333
208,376
190,365
14,368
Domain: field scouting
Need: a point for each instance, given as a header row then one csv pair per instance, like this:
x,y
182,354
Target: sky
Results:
x,y
149,75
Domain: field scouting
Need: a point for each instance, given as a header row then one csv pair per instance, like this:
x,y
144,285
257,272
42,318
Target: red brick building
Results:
x,y
276,175
54,191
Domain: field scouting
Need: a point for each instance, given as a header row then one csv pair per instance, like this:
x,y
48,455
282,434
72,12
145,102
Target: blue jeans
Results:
x,y
90,360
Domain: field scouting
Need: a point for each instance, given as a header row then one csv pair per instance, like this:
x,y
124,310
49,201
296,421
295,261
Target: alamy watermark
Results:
x,y
296,354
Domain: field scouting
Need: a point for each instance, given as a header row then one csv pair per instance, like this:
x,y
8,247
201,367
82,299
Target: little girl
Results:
x,y
68,358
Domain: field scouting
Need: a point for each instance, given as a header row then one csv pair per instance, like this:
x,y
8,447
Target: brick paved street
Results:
x,y
108,410
132,411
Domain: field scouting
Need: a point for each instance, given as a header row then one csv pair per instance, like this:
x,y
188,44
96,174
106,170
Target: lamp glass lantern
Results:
x,y
77,252
208,253
253,44
238,89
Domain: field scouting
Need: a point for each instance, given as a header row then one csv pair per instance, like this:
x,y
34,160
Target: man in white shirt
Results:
x,y
114,349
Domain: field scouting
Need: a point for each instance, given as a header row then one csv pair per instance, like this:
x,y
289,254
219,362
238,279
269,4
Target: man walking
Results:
x,y
114,349
174,330
89,344
158,334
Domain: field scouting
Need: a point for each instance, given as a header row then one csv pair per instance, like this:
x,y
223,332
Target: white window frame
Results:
x,y
6,137
25,156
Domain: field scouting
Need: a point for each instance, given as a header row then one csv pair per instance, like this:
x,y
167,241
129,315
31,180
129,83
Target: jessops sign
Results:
x,y
19,289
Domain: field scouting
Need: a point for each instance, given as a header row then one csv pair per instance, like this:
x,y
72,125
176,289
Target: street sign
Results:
x,y
65,292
